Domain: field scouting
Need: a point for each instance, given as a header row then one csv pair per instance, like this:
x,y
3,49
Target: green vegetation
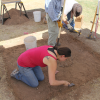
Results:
x,y
89,8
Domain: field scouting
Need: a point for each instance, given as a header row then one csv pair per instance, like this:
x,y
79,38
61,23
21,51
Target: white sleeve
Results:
x,y
68,6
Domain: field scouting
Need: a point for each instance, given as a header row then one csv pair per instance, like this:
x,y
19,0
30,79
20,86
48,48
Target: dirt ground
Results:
x,y
82,69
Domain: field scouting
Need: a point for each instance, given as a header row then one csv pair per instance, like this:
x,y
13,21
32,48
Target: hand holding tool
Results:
x,y
71,84
70,20
69,27
59,23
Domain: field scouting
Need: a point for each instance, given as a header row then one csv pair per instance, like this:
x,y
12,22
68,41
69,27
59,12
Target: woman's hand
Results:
x,y
52,66
66,83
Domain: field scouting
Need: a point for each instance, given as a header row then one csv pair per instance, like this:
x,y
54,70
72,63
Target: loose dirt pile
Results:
x,y
15,17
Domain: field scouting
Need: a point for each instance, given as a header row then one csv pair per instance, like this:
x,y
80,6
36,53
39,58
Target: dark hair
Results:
x,y
77,14
63,51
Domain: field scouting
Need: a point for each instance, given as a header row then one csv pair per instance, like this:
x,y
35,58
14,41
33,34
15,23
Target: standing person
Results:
x,y
30,61
53,13
72,9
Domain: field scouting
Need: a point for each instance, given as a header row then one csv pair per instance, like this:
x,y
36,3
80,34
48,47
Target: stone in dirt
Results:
x,y
15,17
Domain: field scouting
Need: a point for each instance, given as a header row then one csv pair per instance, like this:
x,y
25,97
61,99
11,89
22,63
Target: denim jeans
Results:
x,y
30,76
72,23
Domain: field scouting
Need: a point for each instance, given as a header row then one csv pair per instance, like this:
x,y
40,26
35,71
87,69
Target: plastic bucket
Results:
x,y
30,42
37,16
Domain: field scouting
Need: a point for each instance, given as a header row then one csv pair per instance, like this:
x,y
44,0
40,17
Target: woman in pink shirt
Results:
x,y
30,62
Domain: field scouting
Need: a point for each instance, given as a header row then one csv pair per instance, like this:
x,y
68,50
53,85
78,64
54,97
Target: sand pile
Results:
x,y
15,17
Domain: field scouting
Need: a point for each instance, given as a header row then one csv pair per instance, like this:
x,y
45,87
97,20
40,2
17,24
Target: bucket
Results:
x,y
37,16
30,42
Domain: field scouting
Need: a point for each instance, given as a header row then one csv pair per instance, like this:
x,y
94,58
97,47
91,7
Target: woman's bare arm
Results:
x,y
52,66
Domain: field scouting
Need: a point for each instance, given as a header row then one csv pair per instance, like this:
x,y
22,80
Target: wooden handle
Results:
x,y
61,19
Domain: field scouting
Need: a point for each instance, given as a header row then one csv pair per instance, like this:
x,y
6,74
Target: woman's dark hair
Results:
x,y
63,51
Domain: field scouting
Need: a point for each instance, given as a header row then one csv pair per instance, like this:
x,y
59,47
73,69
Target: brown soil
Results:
x,y
15,17
81,69
83,66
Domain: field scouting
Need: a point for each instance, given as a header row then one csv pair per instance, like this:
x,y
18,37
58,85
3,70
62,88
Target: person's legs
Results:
x,y
72,23
53,31
38,72
27,76
68,18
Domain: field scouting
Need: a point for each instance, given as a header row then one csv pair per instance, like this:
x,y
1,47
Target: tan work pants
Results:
x,y
53,30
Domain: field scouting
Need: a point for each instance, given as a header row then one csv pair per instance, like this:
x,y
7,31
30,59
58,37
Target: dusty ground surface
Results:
x,y
82,69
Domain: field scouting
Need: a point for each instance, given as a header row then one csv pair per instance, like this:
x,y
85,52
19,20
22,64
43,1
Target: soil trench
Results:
x,y
83,66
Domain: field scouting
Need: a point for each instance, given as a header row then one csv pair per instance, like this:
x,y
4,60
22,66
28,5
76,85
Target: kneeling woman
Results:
x,y
30,61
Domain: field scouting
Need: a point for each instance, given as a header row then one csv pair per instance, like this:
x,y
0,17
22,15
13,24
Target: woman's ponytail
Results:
x,y
55,47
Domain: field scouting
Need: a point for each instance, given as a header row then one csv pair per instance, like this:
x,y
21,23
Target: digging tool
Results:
x,y
75,31
94,23
61,23
78,25
90,35
71,84
97,19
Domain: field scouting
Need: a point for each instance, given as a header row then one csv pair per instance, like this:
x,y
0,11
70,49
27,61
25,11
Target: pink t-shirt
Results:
x,y
34,57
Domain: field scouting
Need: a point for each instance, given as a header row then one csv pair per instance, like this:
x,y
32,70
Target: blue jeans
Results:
x,y
72,23
30,76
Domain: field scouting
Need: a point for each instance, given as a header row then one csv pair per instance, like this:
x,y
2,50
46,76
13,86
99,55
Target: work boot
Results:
x,y
14,72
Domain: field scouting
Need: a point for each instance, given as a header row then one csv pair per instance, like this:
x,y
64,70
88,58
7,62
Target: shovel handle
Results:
x,y
61,23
